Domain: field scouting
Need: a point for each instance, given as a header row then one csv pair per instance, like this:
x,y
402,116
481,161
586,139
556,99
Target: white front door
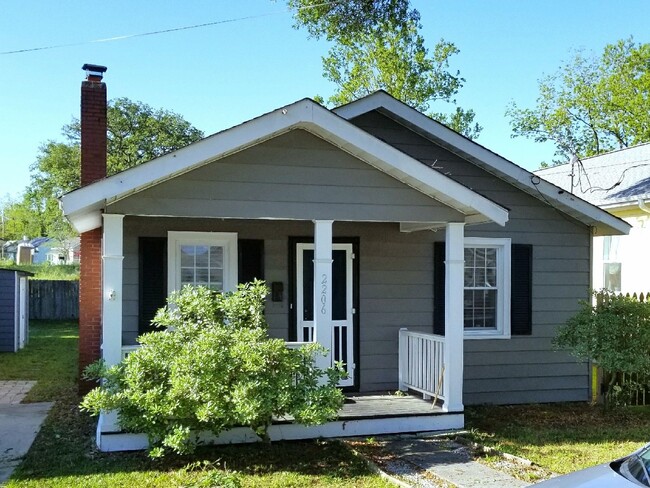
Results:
x,y
342,303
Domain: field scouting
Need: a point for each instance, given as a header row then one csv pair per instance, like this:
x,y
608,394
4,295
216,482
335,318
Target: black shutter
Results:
x,y
152,281
250,259
439,288
521,287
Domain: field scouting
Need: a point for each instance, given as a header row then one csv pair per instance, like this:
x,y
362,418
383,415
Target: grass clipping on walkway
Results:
x,y
560,437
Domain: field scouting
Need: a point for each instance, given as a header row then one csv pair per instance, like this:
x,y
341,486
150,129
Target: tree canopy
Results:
x,y
377,45
342,21
136,133
591,105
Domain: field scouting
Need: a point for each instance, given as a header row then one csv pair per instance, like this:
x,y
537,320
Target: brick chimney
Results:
x,y
93,125
93,168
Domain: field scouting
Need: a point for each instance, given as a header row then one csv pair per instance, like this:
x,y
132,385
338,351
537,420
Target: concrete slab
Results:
x,y
450,462
19,425
13,392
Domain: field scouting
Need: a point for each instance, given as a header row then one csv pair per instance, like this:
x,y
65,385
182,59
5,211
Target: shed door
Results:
x,y
23,310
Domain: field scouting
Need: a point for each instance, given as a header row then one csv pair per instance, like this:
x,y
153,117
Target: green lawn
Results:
x,y
63,453
50,358
561,437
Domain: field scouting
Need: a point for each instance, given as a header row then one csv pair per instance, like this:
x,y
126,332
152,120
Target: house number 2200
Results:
x,y
323,294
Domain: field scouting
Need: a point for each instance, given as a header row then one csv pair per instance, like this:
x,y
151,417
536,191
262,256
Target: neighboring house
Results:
x,y
28,251
40,248
61,252
618,182
21,252
404,222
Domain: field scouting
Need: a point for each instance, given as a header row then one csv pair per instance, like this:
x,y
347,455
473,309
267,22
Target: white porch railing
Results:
x,y
296,345
421,360
126,350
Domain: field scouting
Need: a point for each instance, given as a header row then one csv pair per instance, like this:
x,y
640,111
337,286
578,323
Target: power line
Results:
x,y
163,31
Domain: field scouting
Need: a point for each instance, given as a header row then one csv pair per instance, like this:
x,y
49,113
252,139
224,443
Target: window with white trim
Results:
x,y
486,293
203,259
612,263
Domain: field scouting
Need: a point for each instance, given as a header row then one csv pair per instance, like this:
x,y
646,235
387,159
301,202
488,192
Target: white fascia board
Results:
x,y
403,167
577,208
86,220
180,161
304,114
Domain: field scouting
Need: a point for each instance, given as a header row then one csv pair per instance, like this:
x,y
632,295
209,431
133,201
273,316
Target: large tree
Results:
x,y
136,133
377,45
344,20
592,104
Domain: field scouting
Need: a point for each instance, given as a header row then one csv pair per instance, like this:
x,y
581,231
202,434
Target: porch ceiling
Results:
x,y
83,207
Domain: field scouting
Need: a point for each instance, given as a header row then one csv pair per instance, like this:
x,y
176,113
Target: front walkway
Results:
x,y
437,461
13,392
19,424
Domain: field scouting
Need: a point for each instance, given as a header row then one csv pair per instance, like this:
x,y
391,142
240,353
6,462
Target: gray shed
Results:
x,y
14,309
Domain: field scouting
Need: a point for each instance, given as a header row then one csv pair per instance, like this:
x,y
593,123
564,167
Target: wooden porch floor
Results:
x,y
378,406
386,406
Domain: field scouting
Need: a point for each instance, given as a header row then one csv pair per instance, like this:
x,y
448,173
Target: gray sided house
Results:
x,y
414,226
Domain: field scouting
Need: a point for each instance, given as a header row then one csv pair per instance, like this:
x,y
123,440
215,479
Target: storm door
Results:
x,y
342,303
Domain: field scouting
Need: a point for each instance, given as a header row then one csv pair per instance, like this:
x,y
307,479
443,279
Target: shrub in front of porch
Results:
x,y
212,366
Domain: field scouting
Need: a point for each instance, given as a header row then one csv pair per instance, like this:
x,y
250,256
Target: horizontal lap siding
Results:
x,y
294,176
396,290
524,368
274,234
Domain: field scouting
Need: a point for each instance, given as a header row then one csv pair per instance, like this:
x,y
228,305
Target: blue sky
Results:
x,y
222,75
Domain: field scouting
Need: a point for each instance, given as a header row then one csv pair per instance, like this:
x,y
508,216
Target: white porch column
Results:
x,y
112,257
323,288
454,327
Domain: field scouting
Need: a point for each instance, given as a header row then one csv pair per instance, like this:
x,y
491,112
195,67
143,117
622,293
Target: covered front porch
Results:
x,y
427,365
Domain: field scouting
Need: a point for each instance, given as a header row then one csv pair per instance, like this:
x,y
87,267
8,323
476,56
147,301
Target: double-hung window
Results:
x,y
203,259
612,263
486,296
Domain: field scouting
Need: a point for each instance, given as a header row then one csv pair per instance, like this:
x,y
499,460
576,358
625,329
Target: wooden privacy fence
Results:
x,y
53,300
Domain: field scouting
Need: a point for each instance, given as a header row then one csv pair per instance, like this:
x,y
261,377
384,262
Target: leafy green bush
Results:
x,y
213,367
615,333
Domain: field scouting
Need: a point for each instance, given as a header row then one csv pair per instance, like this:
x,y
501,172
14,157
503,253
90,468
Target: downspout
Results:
x,y
642,205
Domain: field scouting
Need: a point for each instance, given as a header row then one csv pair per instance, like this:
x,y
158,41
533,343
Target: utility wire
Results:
x,y
163,31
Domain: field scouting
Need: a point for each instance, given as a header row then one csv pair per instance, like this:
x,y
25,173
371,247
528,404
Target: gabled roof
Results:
x,y
618,178
583,211
83,206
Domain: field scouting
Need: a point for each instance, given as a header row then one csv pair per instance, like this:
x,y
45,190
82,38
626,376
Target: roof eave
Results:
x,y
83,206
603,222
